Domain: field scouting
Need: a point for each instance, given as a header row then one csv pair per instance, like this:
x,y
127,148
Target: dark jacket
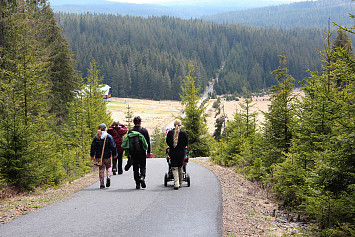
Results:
x,y
97,144
145,133
125,143
178,153
117,132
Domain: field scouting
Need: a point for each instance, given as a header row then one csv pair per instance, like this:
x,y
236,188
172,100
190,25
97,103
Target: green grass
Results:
x,y
230,235
252,212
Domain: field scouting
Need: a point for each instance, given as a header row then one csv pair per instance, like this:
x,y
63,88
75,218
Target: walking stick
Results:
x,y
103,149
96,162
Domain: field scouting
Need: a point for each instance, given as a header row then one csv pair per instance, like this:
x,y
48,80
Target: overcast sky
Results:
x,y
177,1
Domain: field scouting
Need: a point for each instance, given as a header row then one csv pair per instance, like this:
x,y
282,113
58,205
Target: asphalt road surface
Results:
x,y
121,210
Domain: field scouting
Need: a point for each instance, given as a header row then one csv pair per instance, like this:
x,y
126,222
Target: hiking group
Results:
x,y
107,151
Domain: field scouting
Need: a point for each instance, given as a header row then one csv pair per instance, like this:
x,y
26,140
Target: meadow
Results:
x,y
159,114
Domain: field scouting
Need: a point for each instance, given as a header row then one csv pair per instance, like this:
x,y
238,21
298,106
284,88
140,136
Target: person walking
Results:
x,y
117,130
177,141
138,155
103,142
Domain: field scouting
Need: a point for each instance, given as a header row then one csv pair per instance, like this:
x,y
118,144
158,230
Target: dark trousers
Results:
x,y
139,168
117,163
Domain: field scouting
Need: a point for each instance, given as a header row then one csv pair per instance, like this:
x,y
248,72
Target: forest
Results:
x,y
148,58
184,9
51,102
304,152
304,14
48,115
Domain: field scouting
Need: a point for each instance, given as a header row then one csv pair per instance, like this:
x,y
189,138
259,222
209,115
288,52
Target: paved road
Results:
x,y
121,210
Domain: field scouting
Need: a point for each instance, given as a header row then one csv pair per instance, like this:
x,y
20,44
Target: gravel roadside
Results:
x,y
246,209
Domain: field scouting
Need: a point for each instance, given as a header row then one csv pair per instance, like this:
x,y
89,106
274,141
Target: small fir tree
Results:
x,y
194,120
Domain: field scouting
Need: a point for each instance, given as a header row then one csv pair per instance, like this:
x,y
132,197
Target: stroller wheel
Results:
x,y
166,179
188,180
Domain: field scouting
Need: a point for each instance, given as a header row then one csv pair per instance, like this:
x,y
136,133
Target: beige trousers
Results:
x,y
178,176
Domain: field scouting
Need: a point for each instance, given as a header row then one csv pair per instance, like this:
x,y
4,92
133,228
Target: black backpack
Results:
x,y
135,146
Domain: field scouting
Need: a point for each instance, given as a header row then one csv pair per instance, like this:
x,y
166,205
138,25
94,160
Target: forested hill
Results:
x,y
184,9
148,57
306,14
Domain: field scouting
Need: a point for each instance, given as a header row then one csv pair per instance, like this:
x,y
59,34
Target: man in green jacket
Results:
x,y
138,156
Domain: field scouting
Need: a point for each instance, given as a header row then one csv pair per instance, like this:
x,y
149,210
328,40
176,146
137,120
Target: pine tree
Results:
x,y
240,145
76,139
194,121
220,121
277,130
129,117
96,110
158,143
323,143
27,158
62,75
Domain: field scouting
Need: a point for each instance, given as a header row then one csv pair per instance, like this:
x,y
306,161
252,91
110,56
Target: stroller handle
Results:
x,y
168,149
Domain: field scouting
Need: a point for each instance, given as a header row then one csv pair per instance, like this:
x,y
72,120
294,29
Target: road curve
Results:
x,y
121,210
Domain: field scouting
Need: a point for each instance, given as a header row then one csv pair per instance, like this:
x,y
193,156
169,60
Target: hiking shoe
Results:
x,y
108,183
138,186
114,171
102,186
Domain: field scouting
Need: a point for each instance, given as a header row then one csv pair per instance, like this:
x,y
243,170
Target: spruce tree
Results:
x,y
220,121
194,120
76,138
63,79
129,117
278,119
323,144
28,155
96,110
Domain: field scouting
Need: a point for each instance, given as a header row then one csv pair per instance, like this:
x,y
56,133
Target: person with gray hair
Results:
x,y
117,130
177,141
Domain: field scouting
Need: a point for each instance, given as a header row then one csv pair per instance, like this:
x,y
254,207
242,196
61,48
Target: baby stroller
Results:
x,y
169,176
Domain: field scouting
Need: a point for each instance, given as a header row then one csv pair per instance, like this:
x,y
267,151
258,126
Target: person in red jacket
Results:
x,y
117,130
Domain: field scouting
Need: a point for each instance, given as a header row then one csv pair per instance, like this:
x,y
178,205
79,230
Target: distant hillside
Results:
x,y
182,9
307,14
142,10
148,58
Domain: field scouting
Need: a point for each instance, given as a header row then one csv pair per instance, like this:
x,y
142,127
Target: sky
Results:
x,y
195,1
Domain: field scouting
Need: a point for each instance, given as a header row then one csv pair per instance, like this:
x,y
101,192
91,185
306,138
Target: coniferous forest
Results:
x,y
148,58
47,116
51,104
303,14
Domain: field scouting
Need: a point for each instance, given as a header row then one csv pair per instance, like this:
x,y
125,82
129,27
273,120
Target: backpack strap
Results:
x,y
103,149
117,133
